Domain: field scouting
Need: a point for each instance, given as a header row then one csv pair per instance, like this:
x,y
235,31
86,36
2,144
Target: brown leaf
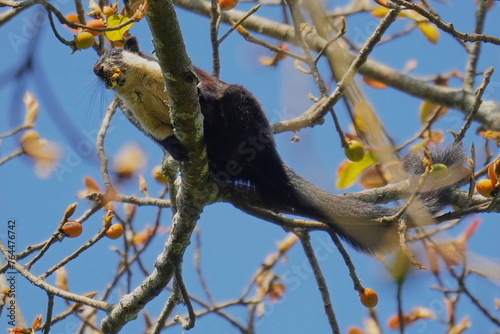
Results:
x,y
37,323
373,178
276,292
91,187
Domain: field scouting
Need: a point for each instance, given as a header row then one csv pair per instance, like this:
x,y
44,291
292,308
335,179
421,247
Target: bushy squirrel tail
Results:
x,y
356,221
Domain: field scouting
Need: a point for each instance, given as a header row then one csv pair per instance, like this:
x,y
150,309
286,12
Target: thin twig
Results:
x,y
238,23
347,259
197,265
50,288
399,295
75,254
475,105
473,299
214,31
426,127
413,198
167,310
332,40
100,144
14,154
298,22
448,28
185,296
16,130
475,48
248,37
404,248
55,236
320,280
48,318
324,105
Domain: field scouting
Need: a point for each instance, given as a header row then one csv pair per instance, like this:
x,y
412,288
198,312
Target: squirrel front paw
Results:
x,y
173,146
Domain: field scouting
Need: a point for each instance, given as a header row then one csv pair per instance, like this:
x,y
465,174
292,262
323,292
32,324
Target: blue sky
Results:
x,y
233,244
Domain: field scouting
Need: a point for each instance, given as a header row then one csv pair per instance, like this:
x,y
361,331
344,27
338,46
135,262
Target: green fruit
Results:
x,y
84,40
354,151
438,171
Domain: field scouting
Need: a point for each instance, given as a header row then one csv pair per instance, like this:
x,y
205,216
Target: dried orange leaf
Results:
x,y
44,154
141,237
469,230
276,292
268,61
31,108
139,13
461,326
143,186
492,175
430,31
91,187
491,135
91,294
288,242
37,323
374,83
380,12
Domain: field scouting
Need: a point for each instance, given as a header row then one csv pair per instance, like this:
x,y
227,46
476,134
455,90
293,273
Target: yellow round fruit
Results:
x,y
368,298
485,187
84,40
354,151
227,4
72,229
438,171
115,231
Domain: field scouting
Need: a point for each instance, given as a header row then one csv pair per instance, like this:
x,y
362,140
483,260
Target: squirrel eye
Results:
x,y
114,53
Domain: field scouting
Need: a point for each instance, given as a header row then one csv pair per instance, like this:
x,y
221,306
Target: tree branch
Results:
x,y
180,82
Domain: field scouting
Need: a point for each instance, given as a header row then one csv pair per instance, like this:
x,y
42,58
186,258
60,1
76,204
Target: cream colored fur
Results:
x,y
144,78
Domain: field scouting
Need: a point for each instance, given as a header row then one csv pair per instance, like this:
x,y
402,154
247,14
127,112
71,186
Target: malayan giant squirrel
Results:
x,y
239,139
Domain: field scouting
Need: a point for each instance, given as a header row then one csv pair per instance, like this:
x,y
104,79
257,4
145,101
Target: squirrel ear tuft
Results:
x,y
131,45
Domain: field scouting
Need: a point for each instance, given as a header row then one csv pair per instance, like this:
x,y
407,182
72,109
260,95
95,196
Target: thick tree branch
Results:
x,y
180,82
